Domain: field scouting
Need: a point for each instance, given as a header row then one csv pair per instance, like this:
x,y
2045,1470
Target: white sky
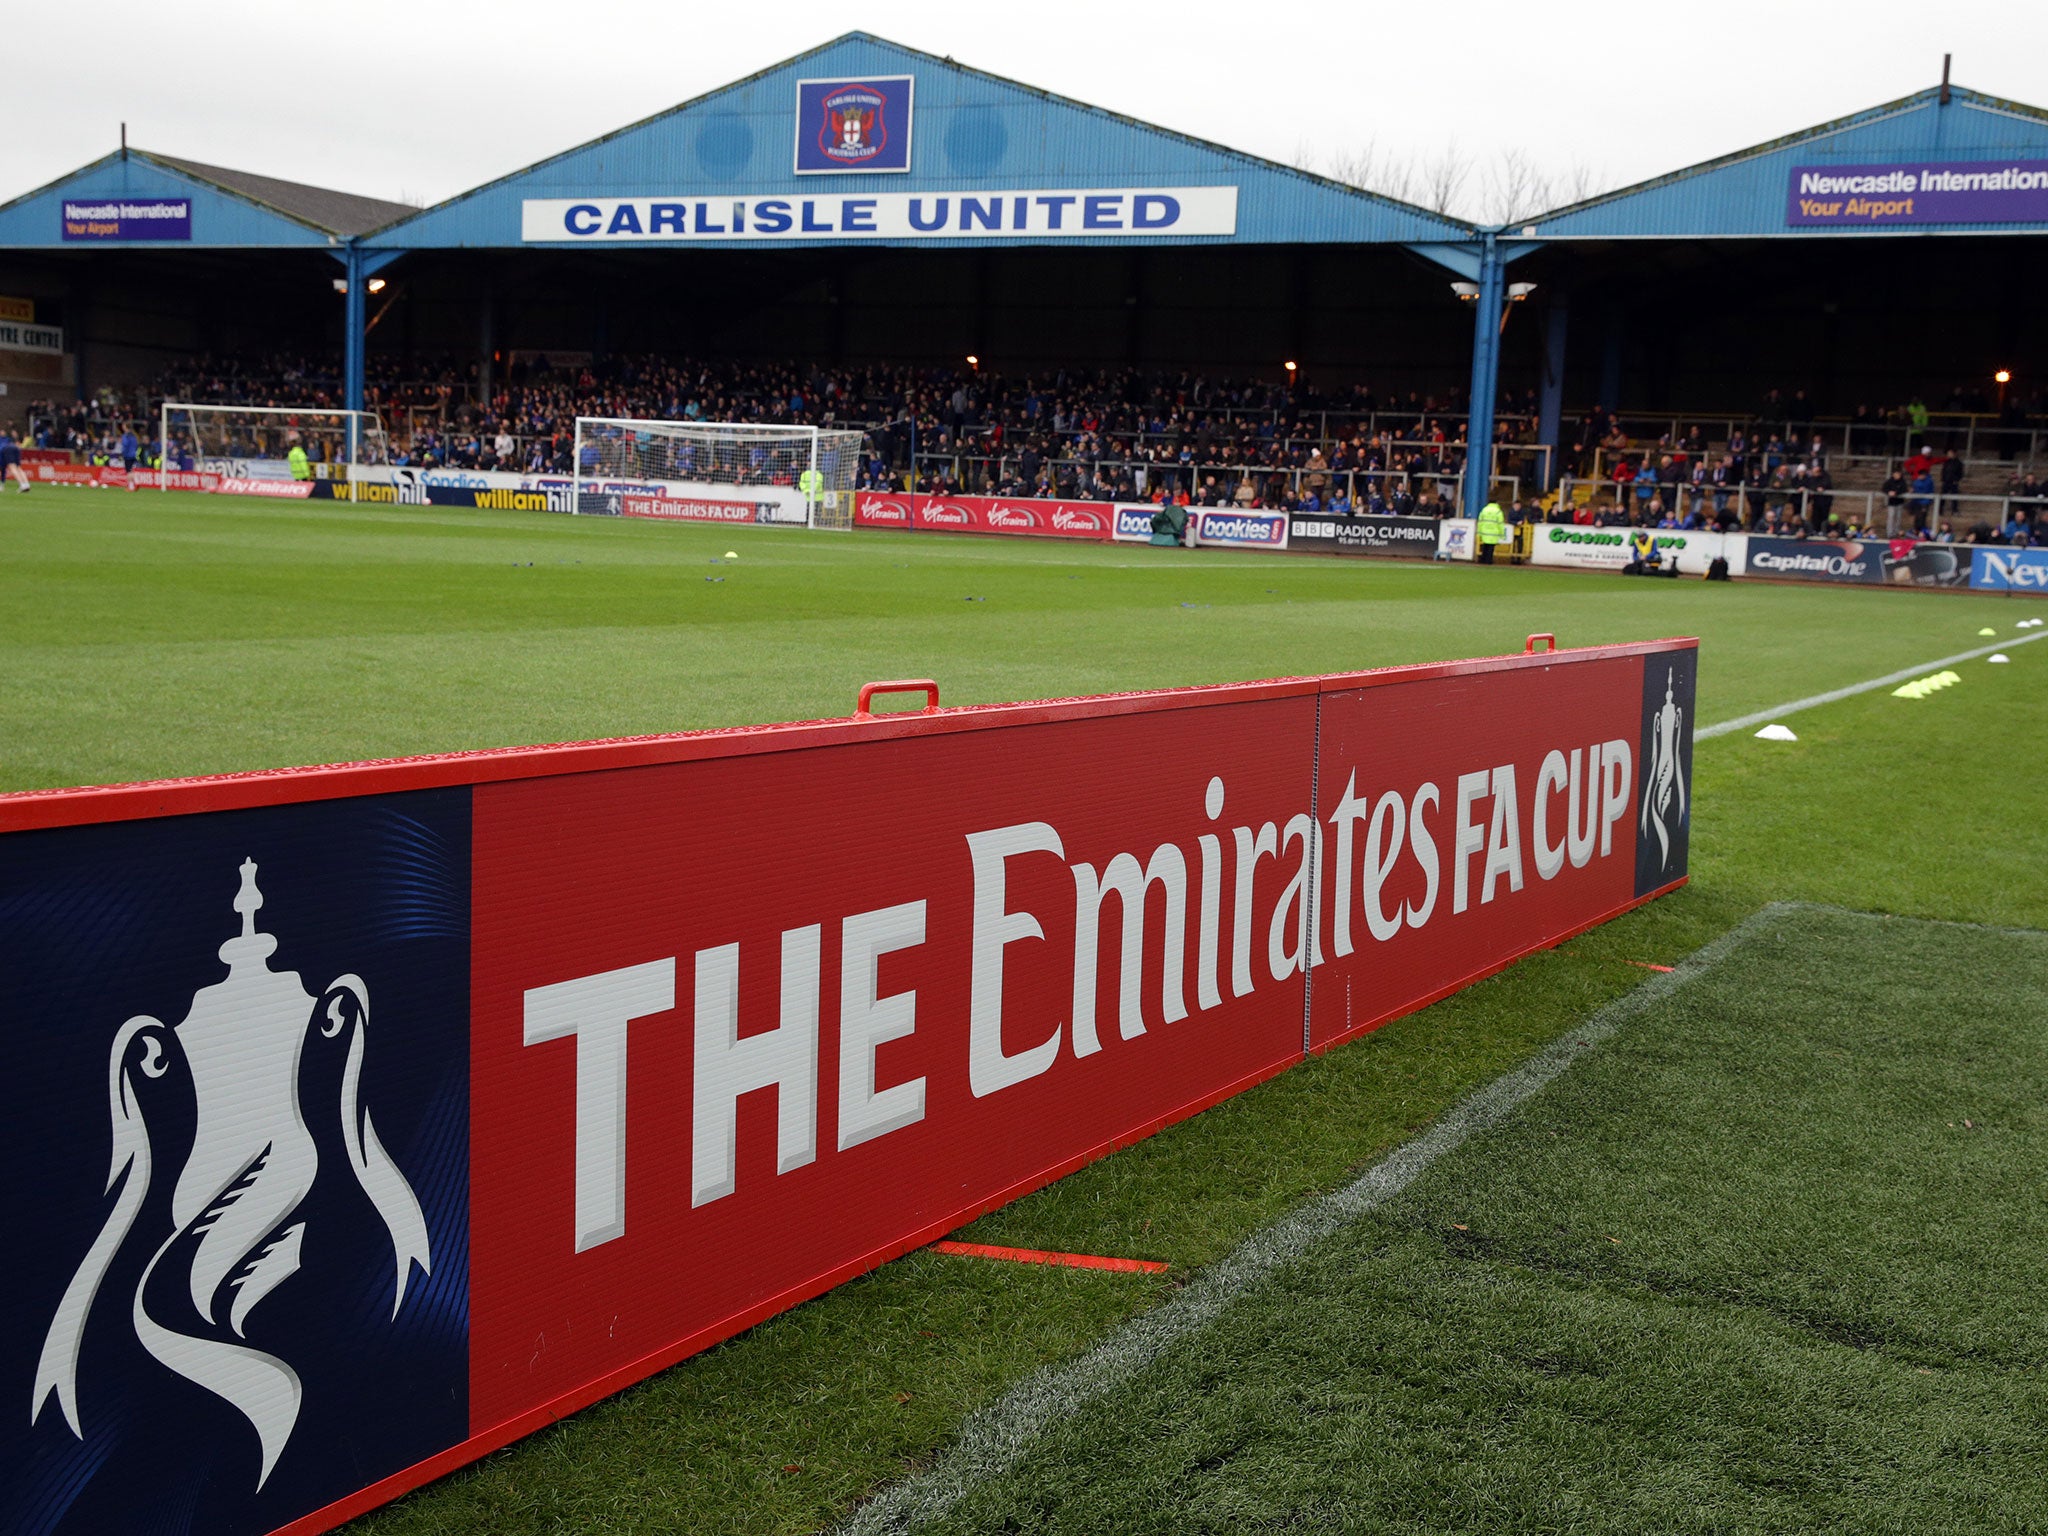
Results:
x,y
423,99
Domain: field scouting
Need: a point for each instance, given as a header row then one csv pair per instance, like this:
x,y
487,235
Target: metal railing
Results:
x,y
1805,509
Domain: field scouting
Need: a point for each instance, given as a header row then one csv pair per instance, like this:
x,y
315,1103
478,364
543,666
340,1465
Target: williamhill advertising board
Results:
x,y
367,1118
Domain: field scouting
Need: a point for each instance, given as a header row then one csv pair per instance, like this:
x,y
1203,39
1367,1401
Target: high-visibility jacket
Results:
x,y
1493,524
301,469
811,483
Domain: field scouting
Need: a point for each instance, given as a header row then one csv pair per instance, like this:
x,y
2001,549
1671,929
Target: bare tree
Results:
x,y
1512,190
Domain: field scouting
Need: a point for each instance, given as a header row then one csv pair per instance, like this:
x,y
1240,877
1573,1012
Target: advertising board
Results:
x,y
1607,549
1853,560
1910,192
984,514
1240,530
1414,537
1133,522
1997,569
121,218
670,1034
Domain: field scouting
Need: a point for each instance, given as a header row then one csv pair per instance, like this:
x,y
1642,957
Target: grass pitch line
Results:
x,y
1764,716
996,1438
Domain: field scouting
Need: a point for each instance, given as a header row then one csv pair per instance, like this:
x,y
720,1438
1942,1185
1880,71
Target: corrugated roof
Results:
x,y
1069,143
1731,194
338,213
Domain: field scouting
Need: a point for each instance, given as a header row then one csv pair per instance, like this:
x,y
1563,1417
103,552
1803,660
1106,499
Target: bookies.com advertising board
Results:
x,y
370,1117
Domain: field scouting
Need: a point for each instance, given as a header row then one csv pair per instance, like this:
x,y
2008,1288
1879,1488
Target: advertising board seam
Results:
x,y
25,810
1356,1031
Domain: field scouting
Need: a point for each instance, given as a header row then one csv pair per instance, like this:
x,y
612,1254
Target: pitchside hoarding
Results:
x,y
1994,569
1411,536
1028,518
1609,549
367,1118
1851,560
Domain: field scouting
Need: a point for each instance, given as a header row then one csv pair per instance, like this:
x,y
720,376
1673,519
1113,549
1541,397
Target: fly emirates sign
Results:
x,y
742,1025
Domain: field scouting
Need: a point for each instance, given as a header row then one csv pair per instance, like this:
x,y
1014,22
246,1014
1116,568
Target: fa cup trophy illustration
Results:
x,y
1663,777
267,1076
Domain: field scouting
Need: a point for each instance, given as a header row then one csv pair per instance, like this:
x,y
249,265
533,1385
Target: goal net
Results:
x,y
255,442
716,471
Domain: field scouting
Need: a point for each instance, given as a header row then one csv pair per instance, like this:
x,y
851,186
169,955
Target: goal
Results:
x,y
254,442
716,471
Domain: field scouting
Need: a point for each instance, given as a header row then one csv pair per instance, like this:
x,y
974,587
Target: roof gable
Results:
x,y
972,133
1752,193
224,208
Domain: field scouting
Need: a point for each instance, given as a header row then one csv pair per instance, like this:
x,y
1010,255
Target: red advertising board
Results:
x,y
984,514
672,1033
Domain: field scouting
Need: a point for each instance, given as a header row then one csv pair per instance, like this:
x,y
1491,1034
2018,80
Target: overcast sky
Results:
x,y
422,99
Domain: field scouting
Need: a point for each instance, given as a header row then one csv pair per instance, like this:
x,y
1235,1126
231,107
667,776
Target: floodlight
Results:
x,y
1519,291
1466,291
376,285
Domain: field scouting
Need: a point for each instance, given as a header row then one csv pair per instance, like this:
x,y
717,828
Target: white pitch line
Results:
x,y
999,1436
1765,716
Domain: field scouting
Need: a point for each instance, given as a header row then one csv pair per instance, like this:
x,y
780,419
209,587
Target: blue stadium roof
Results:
x,y
222,208
1014,151
1756,193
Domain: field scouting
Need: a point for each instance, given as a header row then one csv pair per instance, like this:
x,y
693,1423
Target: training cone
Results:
x,y
1776,733
1998,657
1981,631
733,554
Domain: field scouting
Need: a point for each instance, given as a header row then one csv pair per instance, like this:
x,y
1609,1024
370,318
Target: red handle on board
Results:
x,y
924,685
1529,649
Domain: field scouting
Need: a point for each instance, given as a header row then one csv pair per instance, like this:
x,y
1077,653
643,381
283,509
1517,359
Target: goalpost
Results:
x,y
716,471
255,441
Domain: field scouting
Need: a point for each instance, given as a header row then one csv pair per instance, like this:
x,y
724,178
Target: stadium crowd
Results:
x,y
1122,435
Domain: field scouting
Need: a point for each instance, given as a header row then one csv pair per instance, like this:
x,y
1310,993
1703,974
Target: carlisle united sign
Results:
x,y
835,217
853,125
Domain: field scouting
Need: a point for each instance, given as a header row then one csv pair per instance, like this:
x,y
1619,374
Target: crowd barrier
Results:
x,y
447,1096
1856,562
1866,561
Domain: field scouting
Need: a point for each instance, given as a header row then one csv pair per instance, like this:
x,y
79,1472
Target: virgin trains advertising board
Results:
x,y
983,514
367,1118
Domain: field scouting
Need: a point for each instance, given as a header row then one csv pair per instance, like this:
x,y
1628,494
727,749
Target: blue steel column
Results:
x,y
352,339
1485,378
1550,404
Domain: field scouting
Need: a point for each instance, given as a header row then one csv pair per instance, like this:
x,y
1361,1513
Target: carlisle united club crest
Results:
x,y
855,131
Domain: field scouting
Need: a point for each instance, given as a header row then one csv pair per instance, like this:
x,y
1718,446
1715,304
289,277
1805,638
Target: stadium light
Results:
x,y
376,285
1467,293
1288,366
2002,378
341,285
974,362
1517,291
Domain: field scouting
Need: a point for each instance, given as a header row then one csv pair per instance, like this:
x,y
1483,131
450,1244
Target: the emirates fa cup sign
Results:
x,y
336,1090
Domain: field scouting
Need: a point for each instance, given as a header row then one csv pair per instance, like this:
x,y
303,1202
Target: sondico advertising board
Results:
x,y
367,1118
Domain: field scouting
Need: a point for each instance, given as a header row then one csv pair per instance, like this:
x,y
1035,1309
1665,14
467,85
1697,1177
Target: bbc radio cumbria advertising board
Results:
x,y
366,1118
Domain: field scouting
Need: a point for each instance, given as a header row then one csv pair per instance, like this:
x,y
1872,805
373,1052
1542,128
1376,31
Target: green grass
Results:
x,y
1769,1260
142,636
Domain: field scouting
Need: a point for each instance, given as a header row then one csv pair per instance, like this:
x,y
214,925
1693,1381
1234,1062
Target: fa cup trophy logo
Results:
x,y
1663,777
269,1078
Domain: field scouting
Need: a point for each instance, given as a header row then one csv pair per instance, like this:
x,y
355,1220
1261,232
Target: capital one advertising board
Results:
x,y
367,1118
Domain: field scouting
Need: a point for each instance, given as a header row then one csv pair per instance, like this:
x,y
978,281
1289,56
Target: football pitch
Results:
x,y
1753,1243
